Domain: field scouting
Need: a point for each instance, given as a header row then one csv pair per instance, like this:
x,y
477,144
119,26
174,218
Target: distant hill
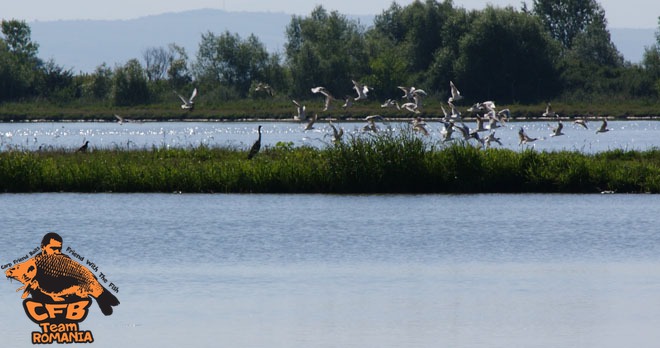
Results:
x,y
82,45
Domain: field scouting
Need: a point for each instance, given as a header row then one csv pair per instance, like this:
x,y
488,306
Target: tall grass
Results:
x,y
402,163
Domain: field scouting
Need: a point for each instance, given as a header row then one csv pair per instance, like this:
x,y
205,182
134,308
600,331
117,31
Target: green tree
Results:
x,y
325,49
101,82
423,37
566,19
56,83
156,61
17,37
507,56
231,61
18,61
416,29
130,86
594,45
178,73
651,61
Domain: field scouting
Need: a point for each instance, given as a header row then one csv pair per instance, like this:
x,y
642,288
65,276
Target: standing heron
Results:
x,y
256,146
84,147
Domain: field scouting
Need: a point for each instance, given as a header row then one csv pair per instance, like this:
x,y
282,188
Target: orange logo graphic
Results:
x,y
59,290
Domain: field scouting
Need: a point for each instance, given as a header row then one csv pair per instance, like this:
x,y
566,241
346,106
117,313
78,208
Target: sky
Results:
x,y
620,14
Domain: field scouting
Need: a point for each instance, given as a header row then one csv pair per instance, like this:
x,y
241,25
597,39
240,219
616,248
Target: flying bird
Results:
x,y
120,119
300,111
418,95
480,124
256,146
188,104
328,97
455,93
581,122
491,138
524,138
447,131
557,130
407,92
336,134
311,121
348,102
390,103
603,127
419,125
412,107
454,111
503,115
549,112
371,123
492,123
361,90
264,87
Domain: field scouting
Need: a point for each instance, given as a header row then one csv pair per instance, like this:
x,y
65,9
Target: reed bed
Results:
x,y
402,163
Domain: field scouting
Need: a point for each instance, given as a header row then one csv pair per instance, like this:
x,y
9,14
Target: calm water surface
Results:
x,y
626,135
354,271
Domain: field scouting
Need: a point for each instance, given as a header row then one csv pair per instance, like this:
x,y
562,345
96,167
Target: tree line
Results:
x,y
552,50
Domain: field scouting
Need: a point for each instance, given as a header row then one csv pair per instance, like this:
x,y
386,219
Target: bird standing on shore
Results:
x,y
256,146
84,147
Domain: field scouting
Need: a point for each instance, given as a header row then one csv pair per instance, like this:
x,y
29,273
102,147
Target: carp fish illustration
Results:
x,y
59,277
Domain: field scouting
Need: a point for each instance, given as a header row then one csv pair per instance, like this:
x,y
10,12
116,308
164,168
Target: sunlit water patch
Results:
x,y
625,135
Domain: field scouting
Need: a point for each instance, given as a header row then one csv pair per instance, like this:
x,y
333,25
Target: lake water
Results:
x,y
626,135
284,271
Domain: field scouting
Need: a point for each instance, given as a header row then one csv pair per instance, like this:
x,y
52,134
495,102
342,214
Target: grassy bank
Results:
x,y
281,107
385,164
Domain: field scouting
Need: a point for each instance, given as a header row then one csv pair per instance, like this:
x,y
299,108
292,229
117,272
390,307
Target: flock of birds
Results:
x,y
485,115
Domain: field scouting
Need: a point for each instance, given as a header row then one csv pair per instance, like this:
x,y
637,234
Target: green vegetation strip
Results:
x,y
403,163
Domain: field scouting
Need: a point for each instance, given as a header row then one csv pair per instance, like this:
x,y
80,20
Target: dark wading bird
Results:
x,y
256,146
84,147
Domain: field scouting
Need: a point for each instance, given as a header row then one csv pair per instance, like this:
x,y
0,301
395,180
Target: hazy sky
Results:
x,y
620,13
